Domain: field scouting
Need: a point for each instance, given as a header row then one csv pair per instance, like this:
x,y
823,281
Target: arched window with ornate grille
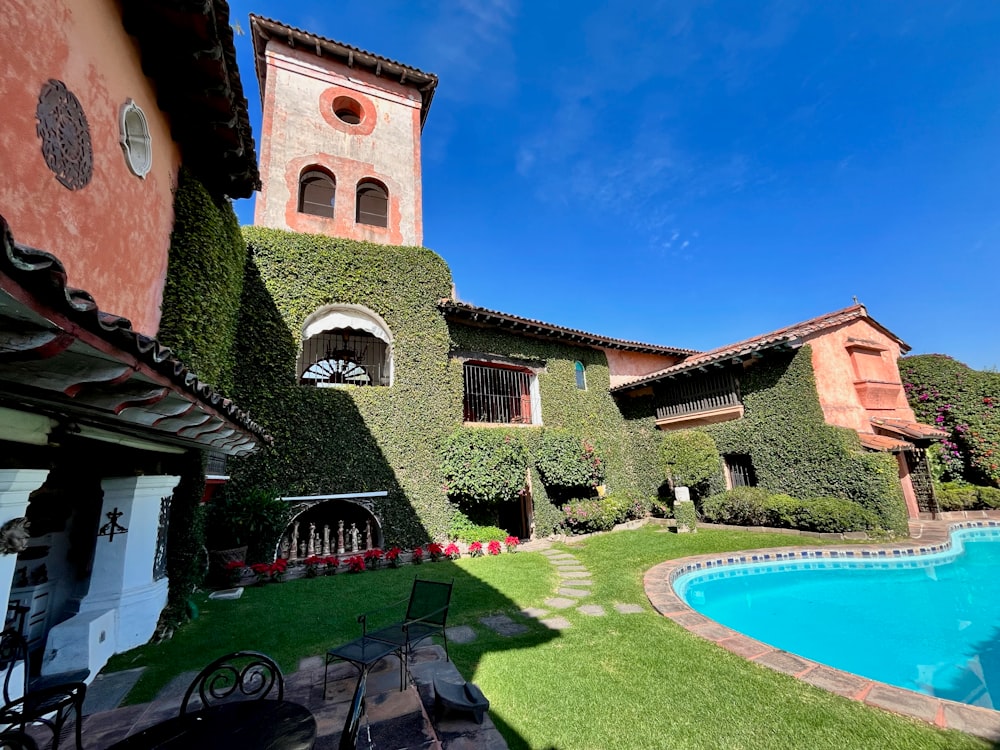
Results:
x,y
345,345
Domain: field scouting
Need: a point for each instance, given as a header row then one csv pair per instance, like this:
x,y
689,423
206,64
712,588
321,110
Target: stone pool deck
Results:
x,y
397,719
926,537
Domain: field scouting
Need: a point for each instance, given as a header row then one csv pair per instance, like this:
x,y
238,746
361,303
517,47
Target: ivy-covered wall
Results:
x,y
352,439
628,446
332,440
201,301
201,297
795,452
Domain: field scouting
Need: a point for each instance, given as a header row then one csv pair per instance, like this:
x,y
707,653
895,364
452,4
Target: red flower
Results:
x,y
235,565
418,555
393,554
476,549
435,550
510,542
356,564
493,547
452,552
332,560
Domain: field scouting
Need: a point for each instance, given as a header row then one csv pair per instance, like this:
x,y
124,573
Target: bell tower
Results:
x,y
340,148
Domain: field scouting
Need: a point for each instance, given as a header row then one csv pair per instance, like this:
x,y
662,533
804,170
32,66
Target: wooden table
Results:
x,y
248,725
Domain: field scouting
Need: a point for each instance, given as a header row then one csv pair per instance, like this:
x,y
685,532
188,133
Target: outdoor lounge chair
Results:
x,y
48,700
426,615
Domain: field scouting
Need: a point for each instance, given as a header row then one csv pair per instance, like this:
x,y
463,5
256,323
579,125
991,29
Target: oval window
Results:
x,y
135,140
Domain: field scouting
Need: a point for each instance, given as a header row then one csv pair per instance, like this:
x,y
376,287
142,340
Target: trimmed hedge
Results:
x,y
566,461
484,466
965,402
754,506
689,457
954,496
795,451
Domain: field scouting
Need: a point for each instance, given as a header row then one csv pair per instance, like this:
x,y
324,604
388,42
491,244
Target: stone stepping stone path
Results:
x,y
574,585
503,625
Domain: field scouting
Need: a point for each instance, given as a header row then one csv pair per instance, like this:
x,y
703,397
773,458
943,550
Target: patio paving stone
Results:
x,y
535,613
503,625
578,593
903,701
782,661
981,722
573,574
841,683
461,634
594,610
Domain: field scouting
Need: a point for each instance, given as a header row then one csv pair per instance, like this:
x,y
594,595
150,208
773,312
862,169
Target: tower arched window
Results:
x,y
316,193
373,204
581,376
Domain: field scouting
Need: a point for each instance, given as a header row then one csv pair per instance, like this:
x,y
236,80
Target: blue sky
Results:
x,y
695,173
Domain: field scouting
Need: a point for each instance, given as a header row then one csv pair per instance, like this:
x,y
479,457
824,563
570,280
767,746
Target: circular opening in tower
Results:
x,y
348,110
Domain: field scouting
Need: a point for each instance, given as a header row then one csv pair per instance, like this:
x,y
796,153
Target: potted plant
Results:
x,y
244,525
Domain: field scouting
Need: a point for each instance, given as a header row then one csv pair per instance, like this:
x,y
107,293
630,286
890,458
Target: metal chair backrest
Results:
x,y
241,675
13,652
349,737
430,600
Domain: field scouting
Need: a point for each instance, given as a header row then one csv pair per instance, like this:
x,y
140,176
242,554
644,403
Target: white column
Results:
x,y
15,487
122,577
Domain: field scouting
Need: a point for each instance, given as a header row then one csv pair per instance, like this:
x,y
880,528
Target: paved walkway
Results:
x,y
927,537
396,719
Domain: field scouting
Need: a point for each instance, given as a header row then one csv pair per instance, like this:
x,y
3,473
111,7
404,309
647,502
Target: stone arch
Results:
x,y
322,516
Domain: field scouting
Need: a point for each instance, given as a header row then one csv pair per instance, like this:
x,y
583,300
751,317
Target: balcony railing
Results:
x,y
702,394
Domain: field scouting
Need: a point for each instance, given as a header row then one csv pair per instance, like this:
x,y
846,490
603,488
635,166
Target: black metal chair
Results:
x,y
426,615
349,737
241,675
48,700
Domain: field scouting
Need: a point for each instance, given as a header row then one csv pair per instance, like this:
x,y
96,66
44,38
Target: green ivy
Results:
x,y
965,402
484,465
690,457
185,536
567,461
351,439
201,297
795,451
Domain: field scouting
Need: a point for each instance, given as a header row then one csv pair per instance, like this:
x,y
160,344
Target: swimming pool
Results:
x,y
929,623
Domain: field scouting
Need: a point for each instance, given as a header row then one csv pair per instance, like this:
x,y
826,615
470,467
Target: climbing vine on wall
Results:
x,y
795,452
351,439
952,396
201,297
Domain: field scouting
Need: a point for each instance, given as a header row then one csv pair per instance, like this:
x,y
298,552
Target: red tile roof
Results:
x,y
914,430
884,443
264,29
463,311
790,337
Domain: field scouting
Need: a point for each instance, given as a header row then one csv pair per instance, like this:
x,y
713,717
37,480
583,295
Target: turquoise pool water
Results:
x,y
930,623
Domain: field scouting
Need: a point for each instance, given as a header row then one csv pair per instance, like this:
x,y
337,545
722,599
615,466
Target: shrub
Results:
x,y
686,515
470,532
782,511
616,507
253,519
955,496
833,515
585,516
989,497
689,457
484,466
564,459
740,506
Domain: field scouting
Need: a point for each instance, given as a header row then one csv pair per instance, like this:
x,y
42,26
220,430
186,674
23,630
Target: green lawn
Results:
x,y
618,681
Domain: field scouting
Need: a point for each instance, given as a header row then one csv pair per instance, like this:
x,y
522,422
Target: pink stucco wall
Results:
x,y
300,131
857,376
624,366
113,235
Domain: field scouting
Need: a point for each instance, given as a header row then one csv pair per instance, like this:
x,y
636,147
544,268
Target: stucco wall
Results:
x,y
113,234
300,130
624,366
873,366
